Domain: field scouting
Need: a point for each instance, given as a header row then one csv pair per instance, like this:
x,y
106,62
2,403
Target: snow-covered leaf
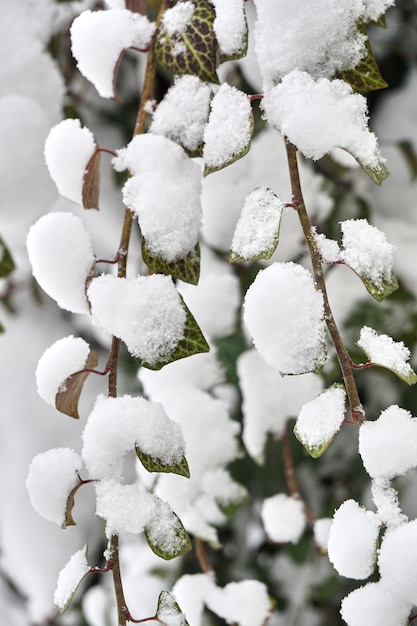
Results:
x,y
377,173
185,42
70,578
158,465
6,260
165,533
283,518
231,29
228,133
320,419
384,351
365,76
91,182
186,269
257,232
67,398
168,611
245,603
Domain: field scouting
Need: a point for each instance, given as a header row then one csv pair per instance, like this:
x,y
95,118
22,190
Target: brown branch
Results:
x,y
344,359
201,554
290,477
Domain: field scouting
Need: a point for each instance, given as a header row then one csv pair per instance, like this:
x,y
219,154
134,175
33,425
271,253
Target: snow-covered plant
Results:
x,y
160,459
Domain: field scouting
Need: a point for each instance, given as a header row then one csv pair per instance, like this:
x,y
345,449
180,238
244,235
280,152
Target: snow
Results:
x,y
354,558
176,19
397,565
70,577
182,114
98,38
230,25
318,116
316,36
388,446
284,315
367,251
257,230
61,256
117,425
283,518
63,358
126,508
321,530
373,9
144,312
51,477
224,490
190,592
328,248
245,603
68,149
386,501
164,192
228,131
269,400
168,611
373,605
384,351
164,530
320,419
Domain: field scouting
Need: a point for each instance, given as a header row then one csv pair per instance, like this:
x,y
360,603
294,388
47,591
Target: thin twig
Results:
x,y
291,478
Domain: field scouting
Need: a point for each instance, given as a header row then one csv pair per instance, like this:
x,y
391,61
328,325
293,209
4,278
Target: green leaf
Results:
x,y
193,51
91,182
380,291
168,612
237,155
314,451
70,578
377,174
156,465
229,506
366,75
6,261
407,150
186,269
2,330
239,54
166,535
193,342
66,400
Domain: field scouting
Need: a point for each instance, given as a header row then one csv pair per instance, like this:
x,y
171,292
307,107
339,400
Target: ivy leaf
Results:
x,y
239,54
383,351
91,182
186,269
6,261
366,75
165,534
193,51
156,465
66,400
69,520
70,578
377,174
380,291
168,612
193,342
407,150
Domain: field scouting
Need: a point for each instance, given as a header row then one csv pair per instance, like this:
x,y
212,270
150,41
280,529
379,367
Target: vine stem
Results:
x,y
344,359
290,477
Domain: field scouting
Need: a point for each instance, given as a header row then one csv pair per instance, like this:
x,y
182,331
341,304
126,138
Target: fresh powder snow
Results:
x,y
354,558
257,230
385,498
61,255
70,577
182,114
126,508
68,149
51,477
321,531
145,312
118,425
374,604
283,518
320,115
244,603
176,19
164,192
284,312
397,565
230,25
384,351
65,357
229,128
388,445
98,38
328,248
321,418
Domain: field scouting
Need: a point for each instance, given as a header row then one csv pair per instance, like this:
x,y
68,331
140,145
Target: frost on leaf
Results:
x,y
99,38
228,132
168,611
368,253
320,419
68,396
61,255
69,149
185,42
257,231
354,558
52,476
365,76
284,313
186,269
384,351
165,533
159,465
70,578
